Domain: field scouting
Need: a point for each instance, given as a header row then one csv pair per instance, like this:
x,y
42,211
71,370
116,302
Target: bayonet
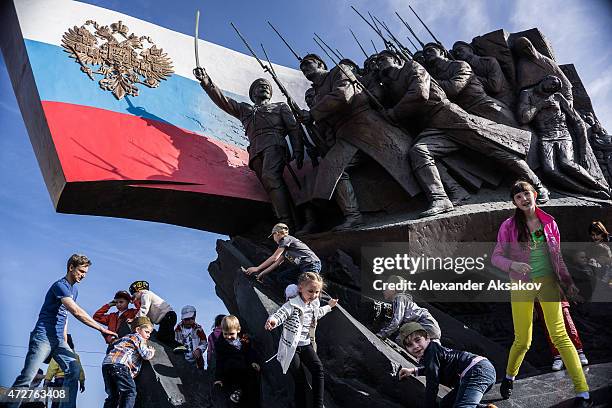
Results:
x,y
411,31
195,39
388,44
427,28
399,44
265,68
358,43
328,47
373,46
415,47
286,43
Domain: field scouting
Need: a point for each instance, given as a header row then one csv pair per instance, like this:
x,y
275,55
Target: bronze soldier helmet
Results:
x,y
437,46
388,53
458,44
257,82
313,57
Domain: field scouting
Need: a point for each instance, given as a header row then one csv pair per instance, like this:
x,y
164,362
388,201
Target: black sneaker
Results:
x,y
506,388
580,402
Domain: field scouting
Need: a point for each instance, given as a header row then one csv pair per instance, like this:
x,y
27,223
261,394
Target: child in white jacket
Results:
x,y
295,348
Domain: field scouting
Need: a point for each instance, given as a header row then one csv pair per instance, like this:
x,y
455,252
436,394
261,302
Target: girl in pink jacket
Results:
x,y
528,248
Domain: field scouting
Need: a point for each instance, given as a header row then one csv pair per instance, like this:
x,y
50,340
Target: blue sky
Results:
x,y
35,241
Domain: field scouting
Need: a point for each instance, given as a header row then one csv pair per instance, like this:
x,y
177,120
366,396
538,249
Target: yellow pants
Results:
x,y
522,317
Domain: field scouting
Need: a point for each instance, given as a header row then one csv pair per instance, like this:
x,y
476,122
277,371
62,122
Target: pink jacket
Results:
x,y
509,250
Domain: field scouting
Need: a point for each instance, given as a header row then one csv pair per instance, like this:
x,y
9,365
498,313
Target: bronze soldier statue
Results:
x,y
447,128
532,67
340,105
488,71
601,142
548,109
461,86
266,125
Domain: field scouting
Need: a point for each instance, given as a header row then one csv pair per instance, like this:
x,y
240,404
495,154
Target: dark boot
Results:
x,y
311,224
456,193
430,181
283,206
543,194
506,388
580,402
347,201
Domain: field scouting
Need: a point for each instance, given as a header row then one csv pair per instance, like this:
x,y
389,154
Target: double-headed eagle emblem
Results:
x,y
121,58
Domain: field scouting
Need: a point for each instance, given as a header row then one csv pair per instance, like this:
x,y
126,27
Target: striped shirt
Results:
x,y
129,350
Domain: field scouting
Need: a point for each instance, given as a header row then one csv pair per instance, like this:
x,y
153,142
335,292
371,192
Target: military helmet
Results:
x,y
256,83
313,57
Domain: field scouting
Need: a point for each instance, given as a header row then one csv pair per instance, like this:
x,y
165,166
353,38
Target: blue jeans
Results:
x,y
472,386
310,267
119,385
44,342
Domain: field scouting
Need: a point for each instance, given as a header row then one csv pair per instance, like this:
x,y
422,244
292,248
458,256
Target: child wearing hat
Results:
x,y
470,376
191,336
116,321
156,309
289,248
123,361
406,310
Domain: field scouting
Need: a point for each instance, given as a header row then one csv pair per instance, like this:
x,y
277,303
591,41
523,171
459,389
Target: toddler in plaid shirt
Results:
x,y
122,363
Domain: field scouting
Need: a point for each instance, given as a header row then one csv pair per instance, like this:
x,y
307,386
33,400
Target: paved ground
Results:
x,y
556,390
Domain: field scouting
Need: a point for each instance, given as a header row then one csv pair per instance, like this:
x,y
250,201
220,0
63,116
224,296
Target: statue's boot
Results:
x,y
283,206
347,201
311,224
431,183
456,193
543,193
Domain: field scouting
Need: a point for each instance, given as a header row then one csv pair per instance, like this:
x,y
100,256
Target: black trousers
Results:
x,y
306,356
165,333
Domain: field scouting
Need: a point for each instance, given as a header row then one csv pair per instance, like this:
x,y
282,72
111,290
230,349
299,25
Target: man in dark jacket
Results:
x,y
266,125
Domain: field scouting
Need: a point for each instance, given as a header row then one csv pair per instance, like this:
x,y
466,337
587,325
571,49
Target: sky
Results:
x,y
35,241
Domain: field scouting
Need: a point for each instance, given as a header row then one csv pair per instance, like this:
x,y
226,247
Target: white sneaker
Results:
x,y
557,364
235,396
583,359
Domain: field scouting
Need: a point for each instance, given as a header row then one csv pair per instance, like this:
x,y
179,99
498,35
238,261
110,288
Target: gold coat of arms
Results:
x,y
121,59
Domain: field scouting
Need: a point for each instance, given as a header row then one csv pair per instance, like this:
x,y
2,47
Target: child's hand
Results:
x,y
332,302
251,270
256,367
405,373
270,323
219,383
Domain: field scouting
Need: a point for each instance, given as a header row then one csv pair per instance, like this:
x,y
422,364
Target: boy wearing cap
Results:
x,y
116,321
191,336
156,309
122,363
470,376
290,249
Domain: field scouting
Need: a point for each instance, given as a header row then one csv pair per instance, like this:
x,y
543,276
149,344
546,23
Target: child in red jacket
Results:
x,y
116,321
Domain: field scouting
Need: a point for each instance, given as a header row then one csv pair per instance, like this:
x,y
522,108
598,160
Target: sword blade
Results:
x,y
195,39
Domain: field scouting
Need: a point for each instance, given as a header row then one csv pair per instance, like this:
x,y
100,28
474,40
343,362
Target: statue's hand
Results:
x,y
200,74
305,117
299,159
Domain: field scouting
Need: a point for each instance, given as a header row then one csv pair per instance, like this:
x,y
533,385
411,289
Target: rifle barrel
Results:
x,y
249,47
425,25
358,43
328,47
411,31
286,43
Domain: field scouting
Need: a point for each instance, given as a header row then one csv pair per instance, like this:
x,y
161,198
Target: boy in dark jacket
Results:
x,y
235,364
470,376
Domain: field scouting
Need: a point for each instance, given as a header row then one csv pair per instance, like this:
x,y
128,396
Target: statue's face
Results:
x,y
386,63
462,52
551,85
373,65
431,54
310,68
418,57
262,91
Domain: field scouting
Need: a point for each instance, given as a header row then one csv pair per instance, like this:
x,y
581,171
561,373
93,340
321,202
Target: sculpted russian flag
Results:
x,y
171,137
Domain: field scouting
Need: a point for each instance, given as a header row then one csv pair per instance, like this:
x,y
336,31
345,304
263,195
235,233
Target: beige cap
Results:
x,y
409,328
279,227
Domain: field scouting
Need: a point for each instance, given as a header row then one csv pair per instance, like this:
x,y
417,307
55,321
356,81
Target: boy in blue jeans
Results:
x,y
123,362
470,376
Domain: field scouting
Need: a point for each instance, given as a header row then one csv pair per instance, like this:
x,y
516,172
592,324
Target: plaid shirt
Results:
x,y
129,350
